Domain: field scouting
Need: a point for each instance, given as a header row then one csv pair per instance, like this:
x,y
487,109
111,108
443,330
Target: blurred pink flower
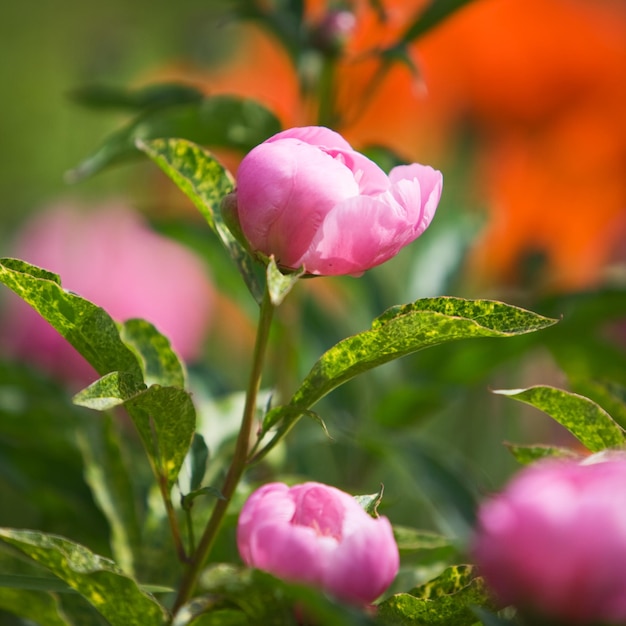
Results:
x,y
320,536
308,198
554,542
111,257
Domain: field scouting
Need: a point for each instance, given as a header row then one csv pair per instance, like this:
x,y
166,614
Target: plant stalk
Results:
x,y
239,459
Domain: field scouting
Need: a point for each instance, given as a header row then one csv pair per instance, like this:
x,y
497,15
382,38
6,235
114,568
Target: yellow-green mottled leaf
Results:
x,y
86,326
398,332
159,362
205,181
165,417
100,581
586,420
443,601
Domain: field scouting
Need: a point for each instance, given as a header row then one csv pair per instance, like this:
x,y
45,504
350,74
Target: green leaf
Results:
x,y
587,421
280,284
165,418
114,594
398,332
108,476
371,501
109,391
86,326
445,600
218,121
609,395
530,454
431,16
411,539
150,97
199,457
160,364
201,177
40,607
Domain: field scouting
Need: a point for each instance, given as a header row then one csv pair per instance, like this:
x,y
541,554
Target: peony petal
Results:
x,y
284,190
366,561
371,180
358,234
320,507
295,553
315,136
431,185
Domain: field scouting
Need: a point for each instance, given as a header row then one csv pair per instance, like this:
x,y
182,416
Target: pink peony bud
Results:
x,y
320,536
111,257
554,542
306,197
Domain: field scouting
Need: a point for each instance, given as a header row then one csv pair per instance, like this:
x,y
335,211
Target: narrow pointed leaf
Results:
x,y
110,391
203,179
434,13
586,420
150,97
401,331
159,362
99,580
609,395
86,326
223,121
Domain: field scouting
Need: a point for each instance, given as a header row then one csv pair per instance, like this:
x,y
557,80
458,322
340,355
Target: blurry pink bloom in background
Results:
x,y
111,257
320,536
554,542
306,197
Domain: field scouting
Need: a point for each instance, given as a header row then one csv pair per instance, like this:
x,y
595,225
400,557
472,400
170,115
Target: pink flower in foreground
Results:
x,y
554,542
306,197
111,257
320,536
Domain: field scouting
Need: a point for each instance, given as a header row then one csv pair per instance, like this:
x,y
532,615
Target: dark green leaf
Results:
x,y
445,600
108,476
150,97
218,121
199,458
530,454
115,595
587,421
160,364
40,607
201,177
86,326
398,332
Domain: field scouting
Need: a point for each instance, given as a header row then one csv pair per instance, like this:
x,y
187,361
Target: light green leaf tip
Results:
x,y
586,420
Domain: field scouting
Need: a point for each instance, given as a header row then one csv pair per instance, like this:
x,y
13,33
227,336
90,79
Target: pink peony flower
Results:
x,y
554,542
306,197
320,536
111,257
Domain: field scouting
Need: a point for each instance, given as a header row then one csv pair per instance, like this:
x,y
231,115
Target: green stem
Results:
x,y
239,459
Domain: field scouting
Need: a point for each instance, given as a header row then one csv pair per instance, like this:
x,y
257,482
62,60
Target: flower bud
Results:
x,y
320,536
554,542
109,256
306,197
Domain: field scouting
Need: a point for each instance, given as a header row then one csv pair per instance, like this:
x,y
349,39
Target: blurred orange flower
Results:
x,y
541,84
